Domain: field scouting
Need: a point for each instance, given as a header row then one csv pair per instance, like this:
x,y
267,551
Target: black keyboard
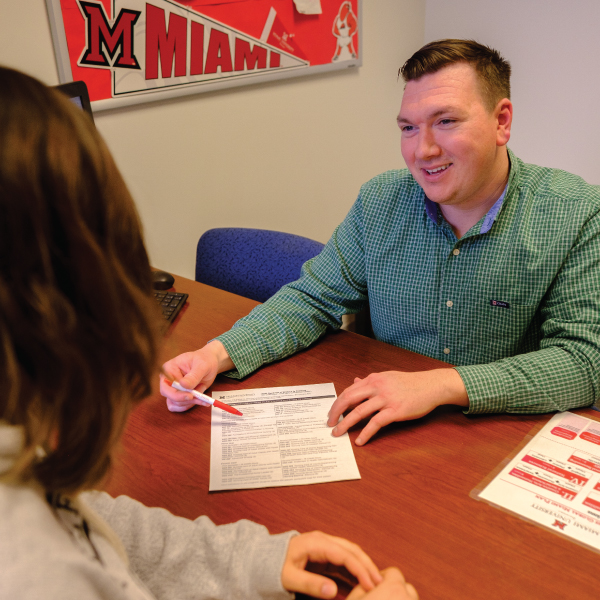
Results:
x,y
171,303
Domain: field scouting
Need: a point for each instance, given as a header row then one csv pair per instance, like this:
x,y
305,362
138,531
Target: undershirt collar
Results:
x,y
432,212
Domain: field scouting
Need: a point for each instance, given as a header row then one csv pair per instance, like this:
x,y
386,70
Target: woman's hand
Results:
x,y
393,587
322,548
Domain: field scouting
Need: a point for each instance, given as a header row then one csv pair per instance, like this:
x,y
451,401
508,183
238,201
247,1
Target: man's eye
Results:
x,y
446,121
406,128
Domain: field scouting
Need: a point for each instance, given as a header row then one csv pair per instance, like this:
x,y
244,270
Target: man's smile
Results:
x,y
436,171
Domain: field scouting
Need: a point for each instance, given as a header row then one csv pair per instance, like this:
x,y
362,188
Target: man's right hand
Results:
x,y
193,370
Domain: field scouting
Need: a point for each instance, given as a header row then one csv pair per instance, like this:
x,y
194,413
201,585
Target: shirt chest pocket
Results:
x,y
501,326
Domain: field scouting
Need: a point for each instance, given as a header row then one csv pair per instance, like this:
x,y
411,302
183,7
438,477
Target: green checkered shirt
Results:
x,y
515,303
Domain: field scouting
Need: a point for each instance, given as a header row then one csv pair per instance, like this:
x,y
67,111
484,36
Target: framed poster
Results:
x,y
132,51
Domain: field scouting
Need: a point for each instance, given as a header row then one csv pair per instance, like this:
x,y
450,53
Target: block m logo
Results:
x,y
103,41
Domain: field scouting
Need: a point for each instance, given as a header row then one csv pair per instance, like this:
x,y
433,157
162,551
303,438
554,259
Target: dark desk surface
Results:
x,y
410,509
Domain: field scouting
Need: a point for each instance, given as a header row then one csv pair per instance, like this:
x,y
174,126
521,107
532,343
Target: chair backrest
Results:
x,y
254,263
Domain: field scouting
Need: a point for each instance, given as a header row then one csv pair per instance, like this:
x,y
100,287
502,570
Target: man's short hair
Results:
x,y
493,71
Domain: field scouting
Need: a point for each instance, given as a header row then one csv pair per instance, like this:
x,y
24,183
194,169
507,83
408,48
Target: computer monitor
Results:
x,y
77,92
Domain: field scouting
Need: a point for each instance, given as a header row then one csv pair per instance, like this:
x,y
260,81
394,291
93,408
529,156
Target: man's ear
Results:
x,y
503,114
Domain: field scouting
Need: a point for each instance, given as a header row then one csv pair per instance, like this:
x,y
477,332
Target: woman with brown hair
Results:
x,y
78,348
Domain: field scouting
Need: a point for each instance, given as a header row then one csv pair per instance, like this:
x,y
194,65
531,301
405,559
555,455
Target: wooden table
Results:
x,y
411,508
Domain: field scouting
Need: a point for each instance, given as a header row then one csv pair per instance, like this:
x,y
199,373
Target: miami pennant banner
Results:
x,y
131,51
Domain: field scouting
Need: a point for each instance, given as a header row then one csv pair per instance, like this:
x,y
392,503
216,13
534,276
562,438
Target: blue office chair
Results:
x,y
253,263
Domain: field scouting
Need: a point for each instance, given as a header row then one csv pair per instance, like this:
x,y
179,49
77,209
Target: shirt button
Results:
x,y
456,251
449,304
446,350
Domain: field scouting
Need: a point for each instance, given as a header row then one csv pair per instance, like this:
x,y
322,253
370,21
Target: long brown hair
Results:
x,y
78,327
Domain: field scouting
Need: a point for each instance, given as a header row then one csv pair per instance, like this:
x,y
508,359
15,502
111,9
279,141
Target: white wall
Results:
x,y
289,155
553,47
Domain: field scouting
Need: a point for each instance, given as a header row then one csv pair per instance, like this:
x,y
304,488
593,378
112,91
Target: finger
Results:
x,y
412,592
168,391
357,593
323,548
362,411
203,369
374,575
174,395
311,584
179,407
335,412
168,373
341,552
392,574
372,427
393,586
201,402
351,396
341,404
172,370
205,382
193,379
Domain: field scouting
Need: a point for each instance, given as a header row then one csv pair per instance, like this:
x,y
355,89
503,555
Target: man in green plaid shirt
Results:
x,y
469,256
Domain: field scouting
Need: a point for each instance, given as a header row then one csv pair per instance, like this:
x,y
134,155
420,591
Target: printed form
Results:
x,y
282,439
555,479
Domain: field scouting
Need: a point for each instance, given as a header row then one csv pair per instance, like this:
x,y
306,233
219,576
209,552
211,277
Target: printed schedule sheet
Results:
x,y
554,480
282,439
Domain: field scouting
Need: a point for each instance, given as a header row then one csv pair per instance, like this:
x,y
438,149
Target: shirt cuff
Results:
x,y
266,574
243,351
486,387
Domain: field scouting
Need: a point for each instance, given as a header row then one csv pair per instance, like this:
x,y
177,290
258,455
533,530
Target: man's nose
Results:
x,y
427,146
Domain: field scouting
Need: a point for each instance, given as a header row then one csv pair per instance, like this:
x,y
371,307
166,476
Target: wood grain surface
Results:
x,y
411,509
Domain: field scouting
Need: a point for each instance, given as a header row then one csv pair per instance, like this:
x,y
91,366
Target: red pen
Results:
x,y
205,398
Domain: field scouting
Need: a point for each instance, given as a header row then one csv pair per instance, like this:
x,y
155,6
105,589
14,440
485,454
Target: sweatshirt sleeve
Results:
x,y
178,558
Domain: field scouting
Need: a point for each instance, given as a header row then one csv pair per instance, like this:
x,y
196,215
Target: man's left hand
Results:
x,y
395,396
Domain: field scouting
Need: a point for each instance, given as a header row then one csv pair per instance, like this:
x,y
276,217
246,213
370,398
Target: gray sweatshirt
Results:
x,y
97,547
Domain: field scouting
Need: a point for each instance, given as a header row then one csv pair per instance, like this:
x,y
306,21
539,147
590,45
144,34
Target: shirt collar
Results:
x,y
491,215
12,444
432,212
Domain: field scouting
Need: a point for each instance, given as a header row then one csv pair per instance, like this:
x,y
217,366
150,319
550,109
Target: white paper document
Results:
x,y
555,479
282,439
